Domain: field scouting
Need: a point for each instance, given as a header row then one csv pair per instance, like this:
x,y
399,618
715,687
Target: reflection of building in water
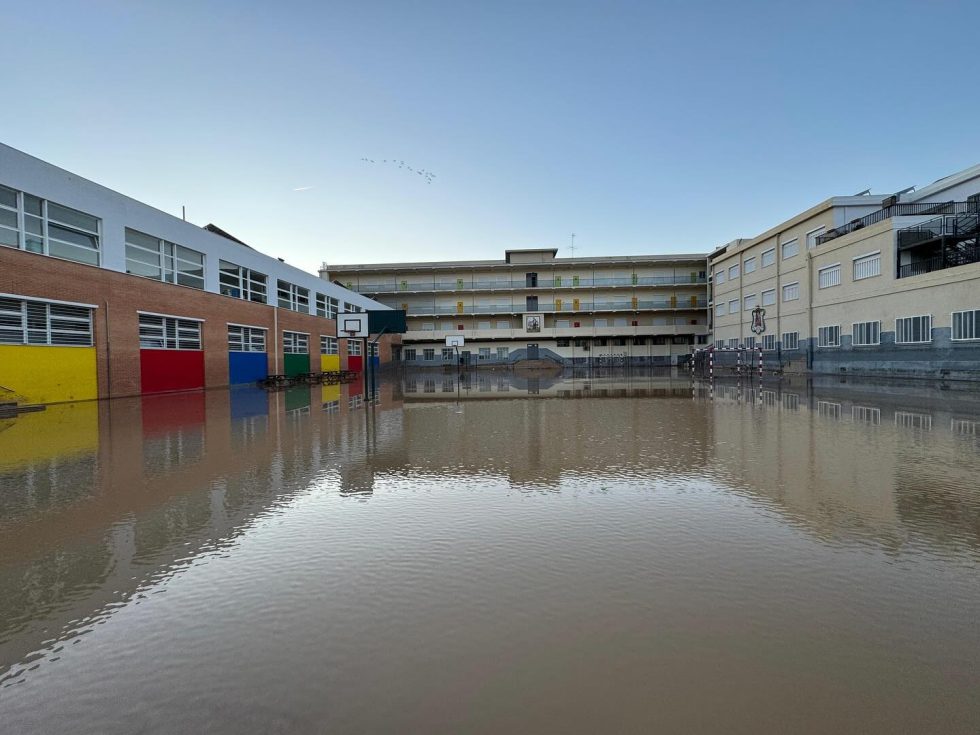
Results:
x,y
854,459
99,500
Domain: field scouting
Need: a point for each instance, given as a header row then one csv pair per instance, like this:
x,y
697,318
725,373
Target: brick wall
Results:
x,y
120,296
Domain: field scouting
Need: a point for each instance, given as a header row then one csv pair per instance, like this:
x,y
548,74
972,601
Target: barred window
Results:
x,y
867,266
295,343
866,333
26,322
409,354
768,342
502,352
242,283
913,330
245,339
828,336
161,260
169,333
30,223
428,354
750,343
293,297
448,353
829,276
328,345
791,340
966,325
791,291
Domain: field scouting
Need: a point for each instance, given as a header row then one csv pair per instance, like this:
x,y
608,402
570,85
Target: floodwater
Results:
x,y
499,554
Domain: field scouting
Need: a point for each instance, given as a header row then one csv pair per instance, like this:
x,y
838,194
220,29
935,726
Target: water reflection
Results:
x,y
103,505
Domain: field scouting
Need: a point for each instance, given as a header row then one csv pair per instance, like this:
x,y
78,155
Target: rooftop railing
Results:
x,y
559,306
898,210
505,284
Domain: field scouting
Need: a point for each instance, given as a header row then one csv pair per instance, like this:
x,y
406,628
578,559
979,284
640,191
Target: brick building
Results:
x,y
103,296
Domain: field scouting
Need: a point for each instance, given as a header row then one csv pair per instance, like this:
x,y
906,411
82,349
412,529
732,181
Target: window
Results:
x,y
563,323
600,322
563,343
429,353
30,223
913,330
159,332
750,302
828,336
791,291
790,249
732,272
720,276
829,276
769,297
295,343
619,321
245,339
162,260
867,266
733,306
428,326
241,283
733,343
409,354
293,297
448,353
25,322
811,237
769,342
321,305
768,257
484,353
354,348
328,345
866,333
750,342
966,325
503,325
749,265
502,352
720,309
791,340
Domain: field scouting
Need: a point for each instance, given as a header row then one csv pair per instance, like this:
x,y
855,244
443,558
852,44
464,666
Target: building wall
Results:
x,y
118,298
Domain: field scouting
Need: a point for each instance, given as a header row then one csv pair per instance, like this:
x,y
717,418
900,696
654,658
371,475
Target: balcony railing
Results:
x,y
564,307
564,282
964,255
898,210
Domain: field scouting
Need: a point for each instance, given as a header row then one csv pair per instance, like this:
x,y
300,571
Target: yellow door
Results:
x,y
575,304
635,302
459,307
673,302
557,304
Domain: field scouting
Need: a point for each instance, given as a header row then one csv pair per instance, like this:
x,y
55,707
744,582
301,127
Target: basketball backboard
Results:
x,y
454,340
352,325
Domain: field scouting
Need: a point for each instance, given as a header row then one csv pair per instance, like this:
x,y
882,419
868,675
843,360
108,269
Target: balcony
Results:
x,y
512,285
556,307
899,210
944,242
645,330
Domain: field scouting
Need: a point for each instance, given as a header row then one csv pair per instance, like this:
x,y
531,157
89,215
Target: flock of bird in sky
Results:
x,y
427,175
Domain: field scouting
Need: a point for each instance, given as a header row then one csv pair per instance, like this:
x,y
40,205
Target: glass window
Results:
x,y
295,343
866,333
409,354
151,257
428,354
811,237
750,302
48,228
768,257
768,342
241,283
790,249
293,297
769,297
168,333
720,276
828,336
966,325
720,309
329,346
24,321
733,306
732,272
245,339
749,265
791,291
913,330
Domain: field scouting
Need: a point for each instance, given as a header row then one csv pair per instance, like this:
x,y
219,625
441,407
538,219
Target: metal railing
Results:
x,y
898,210
558,307
564,282
962,255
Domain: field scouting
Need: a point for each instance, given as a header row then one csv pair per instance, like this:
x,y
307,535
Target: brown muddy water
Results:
x,y
584,554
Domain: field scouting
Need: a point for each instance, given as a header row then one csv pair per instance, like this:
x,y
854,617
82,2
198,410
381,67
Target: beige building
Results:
x,y
647,309
867,284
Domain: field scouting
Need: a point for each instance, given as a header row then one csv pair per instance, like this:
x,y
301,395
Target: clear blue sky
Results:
x,y
639,126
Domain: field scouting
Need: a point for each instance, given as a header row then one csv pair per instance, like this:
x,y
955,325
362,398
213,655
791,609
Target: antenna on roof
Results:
x,y
183,212
572,246
863,193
